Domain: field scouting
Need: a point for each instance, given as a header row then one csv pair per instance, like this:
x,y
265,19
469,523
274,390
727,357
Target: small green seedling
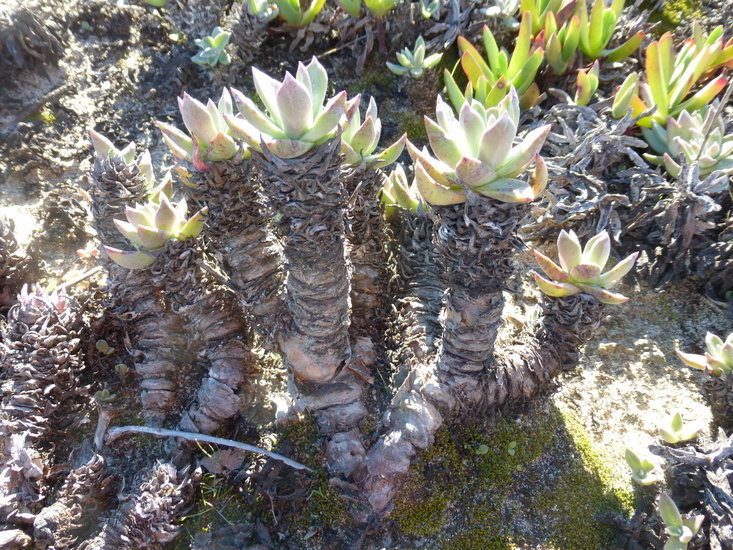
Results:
x,y
674,430
212,49
643,471
680,528
414,61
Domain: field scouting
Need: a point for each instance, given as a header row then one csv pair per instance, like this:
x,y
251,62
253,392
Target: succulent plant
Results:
x,y
540,9
212,49
597,29
718,359
359,139
430,8
699,40
209,138
414,62
475,151
680,528
674,430
560,41
670,77
587,84
506,10
295,120
150,226
380,8
297,14
104,148
580,269
643,471
491,79
685,137
396,191
264,9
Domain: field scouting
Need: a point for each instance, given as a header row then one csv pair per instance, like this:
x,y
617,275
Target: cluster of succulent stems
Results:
x,y
295,205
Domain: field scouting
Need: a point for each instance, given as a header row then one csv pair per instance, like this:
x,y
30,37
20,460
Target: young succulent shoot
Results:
x,y
700,40
150,226
717,360
263,9
295,119
669,78
430,8
674,430
625,95
475,152
352,7
587,84
359,139
297,13
397,192
680,528
414,62
104,148
687,137
539,10
504,9
380,8
581,269
490,79
212,49
643,471
597,29
560,44
209,138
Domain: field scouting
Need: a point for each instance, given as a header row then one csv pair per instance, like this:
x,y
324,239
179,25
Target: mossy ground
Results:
x,y
532,482
676,12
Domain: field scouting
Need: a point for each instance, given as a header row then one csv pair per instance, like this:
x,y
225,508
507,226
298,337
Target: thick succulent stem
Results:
x,y
308,195
477,241
78,504
215,331
149,517
419,286
238,230
520,373
177,317
366,237
719,391
41,393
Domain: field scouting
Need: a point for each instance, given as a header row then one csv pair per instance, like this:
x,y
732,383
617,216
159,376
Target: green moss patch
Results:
x,y
533,481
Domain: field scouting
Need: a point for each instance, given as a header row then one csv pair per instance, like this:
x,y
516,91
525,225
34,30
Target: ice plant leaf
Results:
x,y
553,289
295,107
549,267
130,260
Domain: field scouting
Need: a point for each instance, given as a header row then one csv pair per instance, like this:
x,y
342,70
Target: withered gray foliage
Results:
x,y
27,41
582,151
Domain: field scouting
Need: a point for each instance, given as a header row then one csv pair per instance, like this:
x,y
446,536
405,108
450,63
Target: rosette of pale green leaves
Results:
x,y
717,360
396,191
212,49
149,226
680,528
685,137
476,151
359,139
209,138
581,269
295,119
414,61
297,13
